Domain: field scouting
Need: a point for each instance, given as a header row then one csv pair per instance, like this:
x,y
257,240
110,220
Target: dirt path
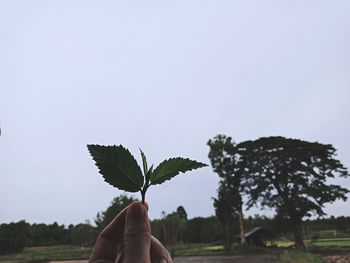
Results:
x,y
228,259
345,258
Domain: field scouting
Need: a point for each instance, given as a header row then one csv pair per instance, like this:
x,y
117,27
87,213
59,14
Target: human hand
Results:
x,y
131,226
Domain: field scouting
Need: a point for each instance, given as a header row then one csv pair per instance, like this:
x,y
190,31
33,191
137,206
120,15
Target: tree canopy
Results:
x,y
291,176
13,237
116,206
228,204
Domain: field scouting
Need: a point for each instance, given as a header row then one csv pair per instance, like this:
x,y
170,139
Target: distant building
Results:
x,y
257,237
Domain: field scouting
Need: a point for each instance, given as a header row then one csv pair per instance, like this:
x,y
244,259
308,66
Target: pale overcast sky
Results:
x,y
165,76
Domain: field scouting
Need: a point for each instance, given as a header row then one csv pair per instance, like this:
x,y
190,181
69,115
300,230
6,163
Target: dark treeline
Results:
x,y
340,224
15,236
172,228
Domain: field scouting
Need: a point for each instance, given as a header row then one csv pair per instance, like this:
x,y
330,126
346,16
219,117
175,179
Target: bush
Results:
x,y
83,235
13,237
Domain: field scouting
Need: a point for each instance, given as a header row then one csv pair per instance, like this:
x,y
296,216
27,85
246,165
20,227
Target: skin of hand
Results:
x,y
132,228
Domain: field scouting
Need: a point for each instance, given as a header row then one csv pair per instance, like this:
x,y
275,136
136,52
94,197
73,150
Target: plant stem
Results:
x,y
143,192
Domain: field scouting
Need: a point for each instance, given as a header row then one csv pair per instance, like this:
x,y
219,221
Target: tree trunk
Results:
x,y
298,238
241,227
163,234
228,238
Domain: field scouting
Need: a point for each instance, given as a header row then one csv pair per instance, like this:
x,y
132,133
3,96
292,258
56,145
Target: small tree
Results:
x,y
226,212
228,205
181,212
83,235
117,205
203,230
171,228
292,176
13,237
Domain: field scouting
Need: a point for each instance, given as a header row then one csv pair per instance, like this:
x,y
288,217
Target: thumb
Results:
x,y
137,234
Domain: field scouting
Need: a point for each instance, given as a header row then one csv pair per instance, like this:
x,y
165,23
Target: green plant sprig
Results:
x,y
120,169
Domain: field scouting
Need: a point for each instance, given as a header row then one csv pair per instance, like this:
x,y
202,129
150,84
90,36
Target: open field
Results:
x,y
330,243
193,253
45,254
335,243
195,250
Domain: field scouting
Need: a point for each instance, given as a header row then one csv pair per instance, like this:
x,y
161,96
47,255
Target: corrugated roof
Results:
x,y
252,231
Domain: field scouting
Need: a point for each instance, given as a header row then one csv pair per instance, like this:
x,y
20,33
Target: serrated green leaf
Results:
x,y
117,166
172,167
144,163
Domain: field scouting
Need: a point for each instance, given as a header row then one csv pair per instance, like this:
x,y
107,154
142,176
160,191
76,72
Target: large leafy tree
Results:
x,y
228,205
292,176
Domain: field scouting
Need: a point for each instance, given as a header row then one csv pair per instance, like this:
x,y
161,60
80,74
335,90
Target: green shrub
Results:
x,y
13,237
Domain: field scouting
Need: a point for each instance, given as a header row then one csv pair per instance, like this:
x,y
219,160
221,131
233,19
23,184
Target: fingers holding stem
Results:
x,y
144,189
147,184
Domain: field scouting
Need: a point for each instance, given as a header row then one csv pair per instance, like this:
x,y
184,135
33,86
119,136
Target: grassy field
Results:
x,y
300,257
282,256
337,243
330,243
195,250
207,250
45,254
